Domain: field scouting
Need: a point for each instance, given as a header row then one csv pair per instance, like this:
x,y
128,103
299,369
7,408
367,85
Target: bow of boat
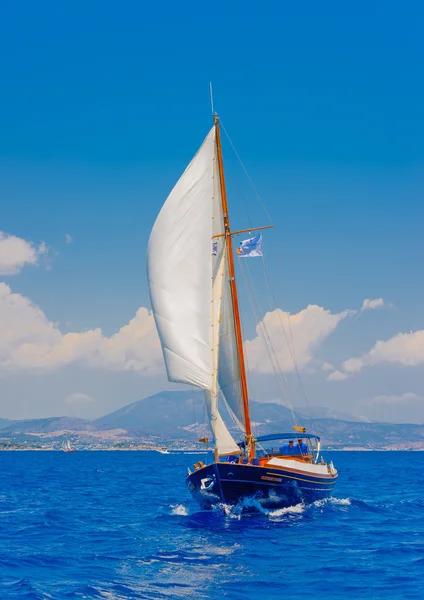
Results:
x,y
275,483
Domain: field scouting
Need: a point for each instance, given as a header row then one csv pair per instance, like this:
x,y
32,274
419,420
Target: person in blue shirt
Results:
x,y
288,449
301,448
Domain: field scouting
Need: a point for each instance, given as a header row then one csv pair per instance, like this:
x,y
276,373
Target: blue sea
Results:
x,y
121,525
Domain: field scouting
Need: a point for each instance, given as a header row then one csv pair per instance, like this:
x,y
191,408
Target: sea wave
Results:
x,y
131,530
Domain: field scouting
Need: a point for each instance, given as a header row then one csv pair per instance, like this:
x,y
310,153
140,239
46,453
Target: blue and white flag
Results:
x,y
251,247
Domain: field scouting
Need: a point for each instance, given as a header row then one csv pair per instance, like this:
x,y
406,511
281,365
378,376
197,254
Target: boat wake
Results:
x,y
249,507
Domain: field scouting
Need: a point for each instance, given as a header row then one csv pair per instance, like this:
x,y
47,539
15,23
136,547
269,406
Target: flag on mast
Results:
x,y
251,247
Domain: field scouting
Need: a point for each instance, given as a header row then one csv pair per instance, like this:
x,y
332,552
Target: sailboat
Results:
x,y
66,446
193,291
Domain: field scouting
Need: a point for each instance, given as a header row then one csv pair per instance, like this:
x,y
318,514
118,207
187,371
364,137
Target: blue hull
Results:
x,y
272,488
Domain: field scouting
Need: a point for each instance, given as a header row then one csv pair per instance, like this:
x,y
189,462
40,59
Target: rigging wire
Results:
x,y
278,372
247,174
249,386
238,181
289,338
239,191
211,97
289,341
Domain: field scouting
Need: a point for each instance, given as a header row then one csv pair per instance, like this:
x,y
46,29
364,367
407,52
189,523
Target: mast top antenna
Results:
x,y
215,116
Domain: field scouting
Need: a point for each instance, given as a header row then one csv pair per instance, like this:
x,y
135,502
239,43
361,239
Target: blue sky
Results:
x,y
103,106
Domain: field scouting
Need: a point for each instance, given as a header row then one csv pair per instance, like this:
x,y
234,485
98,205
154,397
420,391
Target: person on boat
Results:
x,y
287,449
301,448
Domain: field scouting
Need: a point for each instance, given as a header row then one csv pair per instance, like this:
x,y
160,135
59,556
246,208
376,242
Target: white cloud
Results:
x,y
79,398
372,304
68,238
404,349
29,341
407,397
337,376
309,328
16,252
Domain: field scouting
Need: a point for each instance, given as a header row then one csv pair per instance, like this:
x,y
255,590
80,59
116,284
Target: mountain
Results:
x,y
167,414
49,425
5,423
326,412
182,416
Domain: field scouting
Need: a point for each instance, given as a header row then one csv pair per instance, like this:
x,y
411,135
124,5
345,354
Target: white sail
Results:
x,y
66,445
229,368
226,444
179,269
183,261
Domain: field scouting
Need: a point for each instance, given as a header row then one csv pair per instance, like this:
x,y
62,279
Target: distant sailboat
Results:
x,y
66,446
193,291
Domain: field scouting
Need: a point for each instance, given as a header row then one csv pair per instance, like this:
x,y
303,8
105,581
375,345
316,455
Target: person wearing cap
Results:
x,y
301,448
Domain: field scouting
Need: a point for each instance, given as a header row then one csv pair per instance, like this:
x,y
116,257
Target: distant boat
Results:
x,y
66,446
162,450
191,275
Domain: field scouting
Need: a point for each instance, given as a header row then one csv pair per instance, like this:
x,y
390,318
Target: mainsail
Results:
x,y
188,281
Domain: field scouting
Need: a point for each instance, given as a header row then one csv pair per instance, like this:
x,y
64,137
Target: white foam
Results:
x,y
237,511
279,512
180,510
230,510
341,501
334,501
218,551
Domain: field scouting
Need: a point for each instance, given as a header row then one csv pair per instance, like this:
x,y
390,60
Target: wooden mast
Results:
x,y
234,297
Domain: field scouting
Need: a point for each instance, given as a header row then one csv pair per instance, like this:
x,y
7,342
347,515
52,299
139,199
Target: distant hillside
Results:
x,y
325,412
50,425
5,423
179,414
182,416
167,414
374,435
